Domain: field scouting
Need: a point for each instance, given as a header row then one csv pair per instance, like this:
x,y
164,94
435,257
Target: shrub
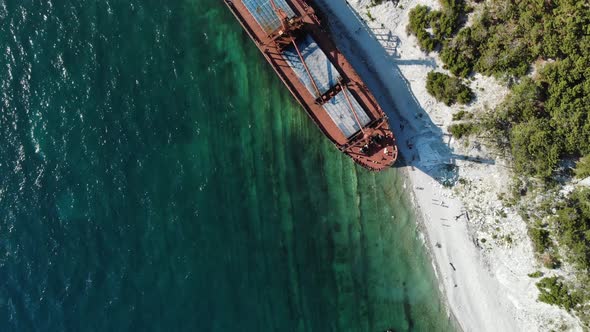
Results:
x,y
533,147
521,105
582,169
554,291
573,227
460,53
503,41
419,18
550,261
419,22
540,238
448,89
459,130
444,24
459,115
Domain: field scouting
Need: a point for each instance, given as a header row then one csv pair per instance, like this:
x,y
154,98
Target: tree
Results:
x,y
533,148
460,53
573,227
444,24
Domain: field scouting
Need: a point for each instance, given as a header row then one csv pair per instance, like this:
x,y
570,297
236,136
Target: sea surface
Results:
x,y
156,176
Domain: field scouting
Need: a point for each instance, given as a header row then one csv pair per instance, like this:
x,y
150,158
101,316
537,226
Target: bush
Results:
x,y
545,118
448,89
550,261
566,98
462,114
573,227
533,147
419,18
419,22
459,130
504,40
371,18
540,238
554,291
583,167
536,274
444,24
521,105
460,53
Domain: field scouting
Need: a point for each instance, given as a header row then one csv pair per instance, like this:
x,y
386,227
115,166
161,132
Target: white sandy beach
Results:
x,y
480,248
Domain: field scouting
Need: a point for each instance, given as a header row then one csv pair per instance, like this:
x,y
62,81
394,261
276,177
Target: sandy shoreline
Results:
x,y
484,281
421,224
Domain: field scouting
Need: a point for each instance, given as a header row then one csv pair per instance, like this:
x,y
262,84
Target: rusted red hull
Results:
x,y
373,147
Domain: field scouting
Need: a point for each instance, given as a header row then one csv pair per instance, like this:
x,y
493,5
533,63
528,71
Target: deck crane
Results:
x,y
284,18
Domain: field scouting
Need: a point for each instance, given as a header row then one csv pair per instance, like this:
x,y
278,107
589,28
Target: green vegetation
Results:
x,y
572,221
550,261
459,130
536,274
460,53
541,50
540,238
448,89
371,18
462,114
443,24
554,291
553,108
583,167
566,230
506,38
533,148
419,22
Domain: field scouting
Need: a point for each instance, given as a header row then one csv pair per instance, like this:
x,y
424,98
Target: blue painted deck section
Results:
x,y
322,70
340,113
265,15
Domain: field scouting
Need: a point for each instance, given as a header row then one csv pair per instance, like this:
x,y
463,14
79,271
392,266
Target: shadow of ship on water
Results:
x,y
374,54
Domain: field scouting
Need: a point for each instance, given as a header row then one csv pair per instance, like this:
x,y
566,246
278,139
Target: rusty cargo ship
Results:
x,y
302,53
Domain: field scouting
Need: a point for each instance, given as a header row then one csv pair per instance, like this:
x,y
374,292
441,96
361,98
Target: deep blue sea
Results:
x,y
156,176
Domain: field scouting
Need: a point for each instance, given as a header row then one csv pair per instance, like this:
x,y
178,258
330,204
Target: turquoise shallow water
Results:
x,y
155,175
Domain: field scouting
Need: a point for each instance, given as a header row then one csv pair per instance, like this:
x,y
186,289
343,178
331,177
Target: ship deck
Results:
x,y
324,74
